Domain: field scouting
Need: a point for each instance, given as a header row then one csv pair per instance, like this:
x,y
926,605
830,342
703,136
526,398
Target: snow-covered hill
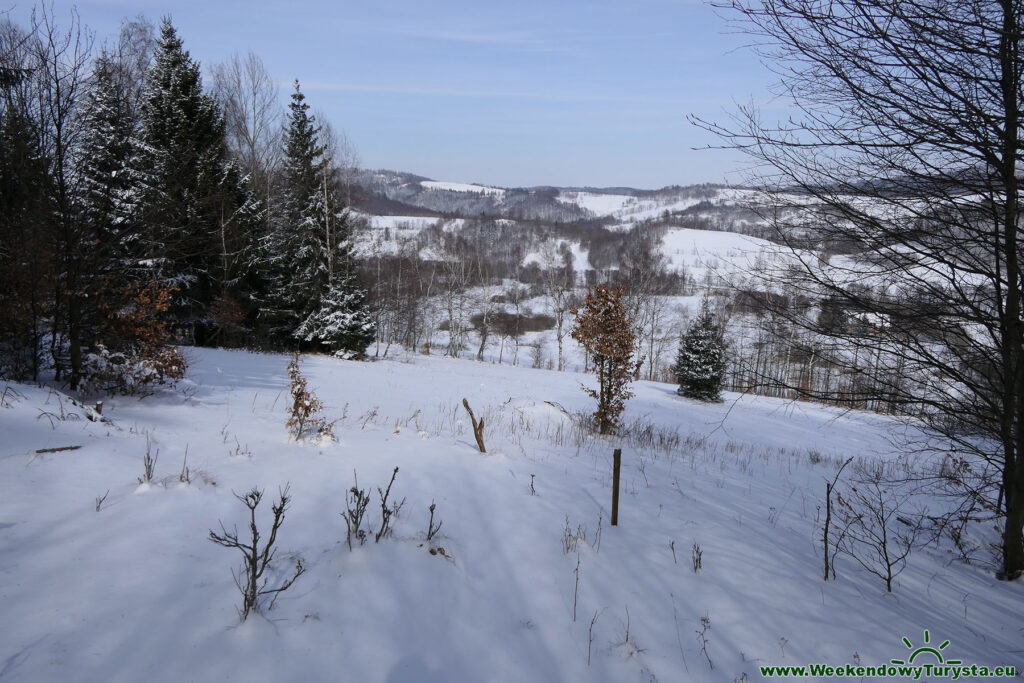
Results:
x,y
617,208
533,583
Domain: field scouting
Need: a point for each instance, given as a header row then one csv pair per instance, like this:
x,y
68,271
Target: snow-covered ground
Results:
x,y
387,235
462,187
627,210
705,252
597,203
136,591
580,256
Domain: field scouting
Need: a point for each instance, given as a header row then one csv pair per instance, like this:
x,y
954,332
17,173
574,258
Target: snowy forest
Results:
x,y
174,229
148,209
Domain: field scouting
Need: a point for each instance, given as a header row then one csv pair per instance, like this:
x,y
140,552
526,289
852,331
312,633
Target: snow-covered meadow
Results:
x,y
134,590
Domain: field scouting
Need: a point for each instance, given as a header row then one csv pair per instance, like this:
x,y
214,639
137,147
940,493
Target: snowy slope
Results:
x,y
597,203
137,592
461,187
580,259
727,254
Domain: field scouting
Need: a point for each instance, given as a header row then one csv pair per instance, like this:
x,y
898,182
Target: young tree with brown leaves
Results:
x,y
605,329
304,418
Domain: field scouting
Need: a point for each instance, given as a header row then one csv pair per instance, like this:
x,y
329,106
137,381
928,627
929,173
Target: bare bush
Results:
x,y
148,462
628,642
431,529
571,539
249,577
702,639
387,513
829,547
356,502
878,535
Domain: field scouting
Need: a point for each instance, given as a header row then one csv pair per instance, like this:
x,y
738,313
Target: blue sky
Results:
x,y
519,93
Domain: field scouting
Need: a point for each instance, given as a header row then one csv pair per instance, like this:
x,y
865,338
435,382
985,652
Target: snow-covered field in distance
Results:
x,y
597,203
461,187
136,591
696,251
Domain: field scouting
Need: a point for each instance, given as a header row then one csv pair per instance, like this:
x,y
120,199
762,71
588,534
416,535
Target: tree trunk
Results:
x,y
1013,368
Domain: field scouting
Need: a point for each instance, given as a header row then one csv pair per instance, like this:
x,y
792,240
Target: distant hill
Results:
x,y
706,206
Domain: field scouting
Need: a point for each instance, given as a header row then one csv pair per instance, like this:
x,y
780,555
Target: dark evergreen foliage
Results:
x,y
314,295
126,226
26,260
700,363
184,153
107,204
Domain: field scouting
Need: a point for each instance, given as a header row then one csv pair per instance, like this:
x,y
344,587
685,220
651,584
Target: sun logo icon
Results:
x,y
926,648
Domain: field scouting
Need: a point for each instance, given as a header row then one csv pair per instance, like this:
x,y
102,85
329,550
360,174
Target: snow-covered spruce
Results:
x,y
313,295
700,363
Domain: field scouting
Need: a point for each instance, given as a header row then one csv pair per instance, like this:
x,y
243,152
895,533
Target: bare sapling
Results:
x,y
185,476
576,589
148,462
387,513
431,529
356,501
629,643
590,634
249,578
879,535
829,555
702,639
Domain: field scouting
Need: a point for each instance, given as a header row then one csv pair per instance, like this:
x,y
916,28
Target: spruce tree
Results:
x,y
342,323
184,153
700,363
109,191
297,246
26,238
315,296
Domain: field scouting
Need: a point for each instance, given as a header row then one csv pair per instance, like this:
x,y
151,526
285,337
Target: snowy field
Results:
x,y
727,255
462,187
136,592
596,203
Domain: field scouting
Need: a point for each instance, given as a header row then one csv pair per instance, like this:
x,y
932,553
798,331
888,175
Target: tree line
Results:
x,y
131,194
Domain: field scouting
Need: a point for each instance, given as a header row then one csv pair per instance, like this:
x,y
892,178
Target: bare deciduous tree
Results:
x,y
559,284
249,99
875,532
904,154
132,56
62,60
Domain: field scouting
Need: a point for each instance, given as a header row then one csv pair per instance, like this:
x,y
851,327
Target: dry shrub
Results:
x,y
140,355
304,419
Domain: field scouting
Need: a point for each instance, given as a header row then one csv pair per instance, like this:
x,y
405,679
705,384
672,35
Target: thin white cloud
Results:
x,y
539,40
508,38
475,93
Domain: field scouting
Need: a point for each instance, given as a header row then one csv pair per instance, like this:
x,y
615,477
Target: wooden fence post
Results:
x,y
616,465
